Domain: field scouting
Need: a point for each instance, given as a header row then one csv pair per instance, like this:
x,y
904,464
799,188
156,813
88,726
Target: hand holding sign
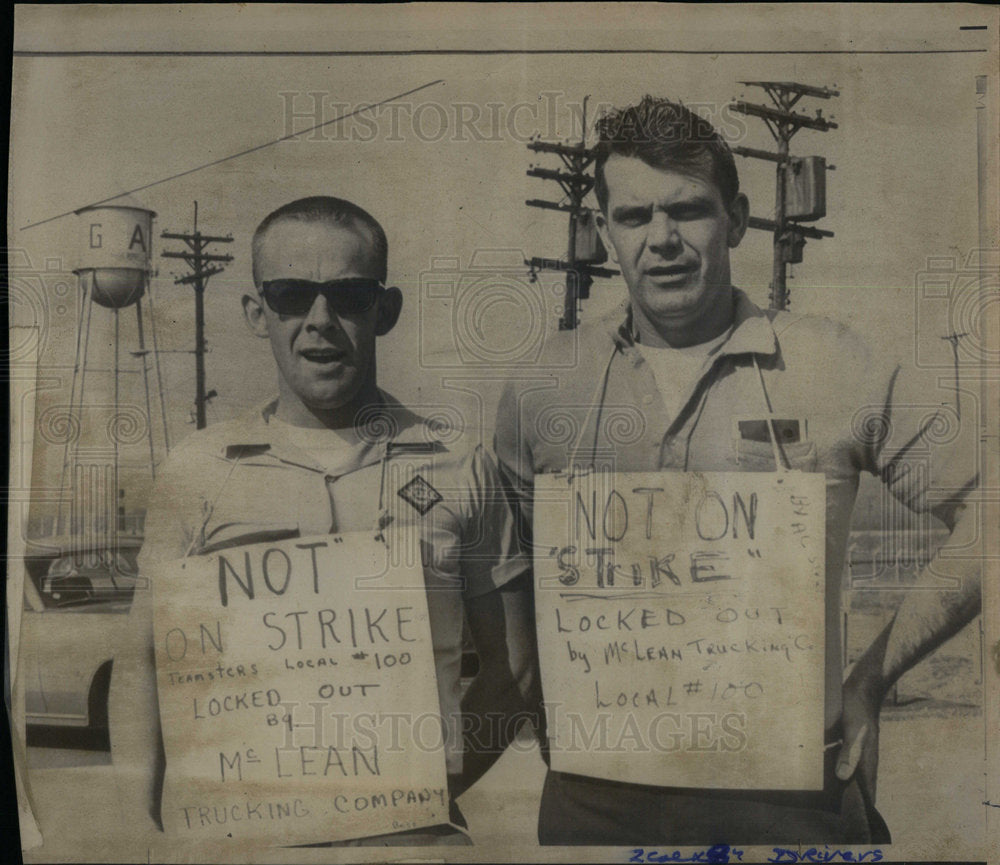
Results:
x,y
864,691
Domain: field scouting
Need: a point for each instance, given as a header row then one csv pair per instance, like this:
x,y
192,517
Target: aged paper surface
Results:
x,y
133,127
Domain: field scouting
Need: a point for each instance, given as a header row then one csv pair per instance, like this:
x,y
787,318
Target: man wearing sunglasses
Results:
x,y
318,460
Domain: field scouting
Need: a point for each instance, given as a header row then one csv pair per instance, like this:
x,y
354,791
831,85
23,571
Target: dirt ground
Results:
x,y
930,790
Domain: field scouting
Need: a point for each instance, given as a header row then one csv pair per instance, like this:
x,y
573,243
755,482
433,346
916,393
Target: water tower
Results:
x,y
116,254
114,269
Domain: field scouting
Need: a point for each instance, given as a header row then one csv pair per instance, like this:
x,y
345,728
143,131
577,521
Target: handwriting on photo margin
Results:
x,y
717,853
723,853
789,857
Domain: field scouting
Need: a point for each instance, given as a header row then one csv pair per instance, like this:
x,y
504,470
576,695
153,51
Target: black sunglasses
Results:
x,y
351,296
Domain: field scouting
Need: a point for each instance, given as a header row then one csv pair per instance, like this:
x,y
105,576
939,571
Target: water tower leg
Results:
x,y
116,371
86,348
145,383
79,372
156,366
112,532
83,300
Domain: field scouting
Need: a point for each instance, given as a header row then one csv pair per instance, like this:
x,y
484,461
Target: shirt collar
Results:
x,y
752,332
390,420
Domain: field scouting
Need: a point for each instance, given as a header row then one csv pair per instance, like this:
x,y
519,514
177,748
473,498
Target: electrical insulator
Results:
x,y
589,249
805,188
791,247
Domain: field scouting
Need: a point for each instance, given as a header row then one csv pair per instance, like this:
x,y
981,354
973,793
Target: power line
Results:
x,y
236,155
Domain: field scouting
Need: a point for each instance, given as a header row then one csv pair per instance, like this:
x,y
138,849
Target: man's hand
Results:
x,y
864,691
500,623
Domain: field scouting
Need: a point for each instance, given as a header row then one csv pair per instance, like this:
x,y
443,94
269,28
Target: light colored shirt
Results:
x,y
332,448
802,372
250,480
677,370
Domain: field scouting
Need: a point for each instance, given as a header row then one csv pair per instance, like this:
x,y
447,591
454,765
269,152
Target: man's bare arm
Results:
x,y
924,621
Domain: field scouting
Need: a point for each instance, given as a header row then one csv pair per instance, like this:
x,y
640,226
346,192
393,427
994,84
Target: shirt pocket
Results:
x,y
760,456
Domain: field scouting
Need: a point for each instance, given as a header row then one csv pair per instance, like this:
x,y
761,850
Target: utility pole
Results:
x,y
585,249
801,184
203,265
953,338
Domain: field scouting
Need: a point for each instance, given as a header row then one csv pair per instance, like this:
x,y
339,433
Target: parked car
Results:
x,y
76,601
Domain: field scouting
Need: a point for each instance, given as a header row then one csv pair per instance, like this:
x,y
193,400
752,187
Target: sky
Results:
x,y
444,171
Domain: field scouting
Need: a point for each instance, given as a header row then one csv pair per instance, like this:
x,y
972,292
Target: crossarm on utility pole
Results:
x,y
203,265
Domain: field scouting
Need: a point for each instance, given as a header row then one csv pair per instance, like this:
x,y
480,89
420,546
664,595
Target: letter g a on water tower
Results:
x,y
115,257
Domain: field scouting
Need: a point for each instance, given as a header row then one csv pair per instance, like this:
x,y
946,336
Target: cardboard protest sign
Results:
x,y
681,626
297,693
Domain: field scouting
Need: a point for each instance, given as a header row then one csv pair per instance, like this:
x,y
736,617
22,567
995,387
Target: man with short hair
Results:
x,y
698,359
318,460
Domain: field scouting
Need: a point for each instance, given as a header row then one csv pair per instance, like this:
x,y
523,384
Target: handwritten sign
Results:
x,y
680,626
297,693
